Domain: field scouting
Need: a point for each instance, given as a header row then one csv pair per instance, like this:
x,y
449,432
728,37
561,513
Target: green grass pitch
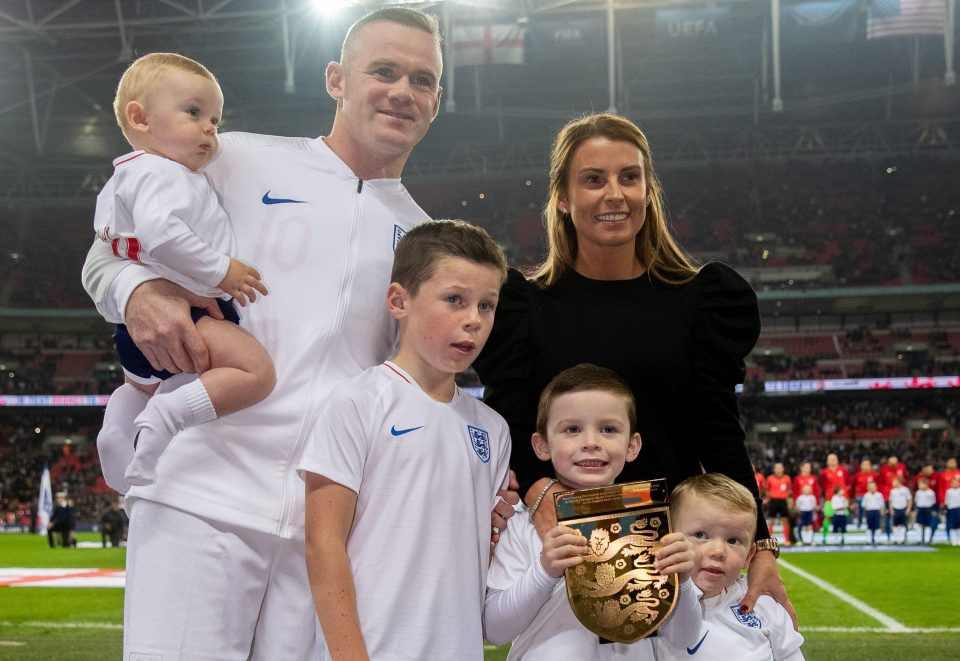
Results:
x,y
913,594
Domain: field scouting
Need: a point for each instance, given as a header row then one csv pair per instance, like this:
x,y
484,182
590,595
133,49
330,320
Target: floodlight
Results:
x,y
331,7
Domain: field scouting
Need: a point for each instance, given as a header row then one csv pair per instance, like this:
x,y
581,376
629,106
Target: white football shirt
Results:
x,y
426,475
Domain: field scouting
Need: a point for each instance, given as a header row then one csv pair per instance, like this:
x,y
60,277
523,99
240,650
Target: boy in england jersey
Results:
x,y
719,517
393,566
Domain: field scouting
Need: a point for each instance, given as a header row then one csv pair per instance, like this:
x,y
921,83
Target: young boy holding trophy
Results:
x,y
586,426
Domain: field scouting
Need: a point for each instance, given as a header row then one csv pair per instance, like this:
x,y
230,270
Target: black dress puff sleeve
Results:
x,y
726,327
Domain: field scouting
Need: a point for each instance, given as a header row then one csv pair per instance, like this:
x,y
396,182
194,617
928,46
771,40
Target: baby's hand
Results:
x,y
242,282
675,556
562,547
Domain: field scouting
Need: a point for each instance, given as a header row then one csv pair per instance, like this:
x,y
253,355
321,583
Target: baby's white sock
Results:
x,y
115,440
164,417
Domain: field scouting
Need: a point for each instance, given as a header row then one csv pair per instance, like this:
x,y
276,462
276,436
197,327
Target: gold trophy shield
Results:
x,y
616,592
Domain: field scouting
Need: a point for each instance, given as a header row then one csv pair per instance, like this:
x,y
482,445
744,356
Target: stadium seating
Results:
x,y
785,227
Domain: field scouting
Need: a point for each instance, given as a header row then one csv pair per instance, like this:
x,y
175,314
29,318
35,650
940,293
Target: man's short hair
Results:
x,y
718,489
418,252
145,72
412,18
585,376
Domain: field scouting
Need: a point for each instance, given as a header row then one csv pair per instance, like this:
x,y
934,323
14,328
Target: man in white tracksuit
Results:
x,y
215,566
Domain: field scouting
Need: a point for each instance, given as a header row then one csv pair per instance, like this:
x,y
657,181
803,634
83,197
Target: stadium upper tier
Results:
x,y
861,352
797,226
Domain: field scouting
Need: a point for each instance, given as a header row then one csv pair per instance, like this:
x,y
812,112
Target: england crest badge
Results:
x,y
480,440
616,592
751,619
398,233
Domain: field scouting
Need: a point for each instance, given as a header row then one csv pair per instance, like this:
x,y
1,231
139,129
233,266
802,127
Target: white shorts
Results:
x,y
198,589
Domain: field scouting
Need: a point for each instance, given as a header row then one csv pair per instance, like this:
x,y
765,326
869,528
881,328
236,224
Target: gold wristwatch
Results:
x,y
769,544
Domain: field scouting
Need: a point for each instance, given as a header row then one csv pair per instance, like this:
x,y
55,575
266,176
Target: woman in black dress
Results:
x,y
616,290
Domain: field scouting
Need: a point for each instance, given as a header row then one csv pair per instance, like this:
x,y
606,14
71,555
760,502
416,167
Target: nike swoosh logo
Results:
x,y
266,199
400,432
693,650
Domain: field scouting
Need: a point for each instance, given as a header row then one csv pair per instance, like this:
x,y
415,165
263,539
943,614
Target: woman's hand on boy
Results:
x,y
562,547
764,578
675,556
242,282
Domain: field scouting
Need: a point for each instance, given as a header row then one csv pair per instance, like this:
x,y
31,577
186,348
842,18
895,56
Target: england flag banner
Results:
x,y
44,502
491,43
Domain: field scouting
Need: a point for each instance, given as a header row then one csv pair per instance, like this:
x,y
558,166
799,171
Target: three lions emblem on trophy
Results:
x,y
616,592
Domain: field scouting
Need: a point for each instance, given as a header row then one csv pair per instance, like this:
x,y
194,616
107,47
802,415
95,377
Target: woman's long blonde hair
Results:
x,y
658,252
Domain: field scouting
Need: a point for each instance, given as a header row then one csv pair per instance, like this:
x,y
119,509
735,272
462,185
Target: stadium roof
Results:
x,y
62,59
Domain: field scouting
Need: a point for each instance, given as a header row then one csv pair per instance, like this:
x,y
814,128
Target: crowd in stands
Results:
x,y
888,224
919,428
33,438
779,356
52,369
43,252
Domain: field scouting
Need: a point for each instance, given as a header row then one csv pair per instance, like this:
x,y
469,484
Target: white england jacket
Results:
x,y
323,241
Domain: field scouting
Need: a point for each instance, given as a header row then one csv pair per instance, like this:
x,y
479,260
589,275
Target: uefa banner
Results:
x,y
616,592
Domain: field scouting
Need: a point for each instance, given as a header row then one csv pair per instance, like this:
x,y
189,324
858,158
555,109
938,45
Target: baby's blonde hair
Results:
x,y
145,72
718,489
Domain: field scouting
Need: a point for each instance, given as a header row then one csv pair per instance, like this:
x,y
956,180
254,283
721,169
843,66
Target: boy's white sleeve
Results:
x,y
784,639
109,280
337,444
683,627
517,588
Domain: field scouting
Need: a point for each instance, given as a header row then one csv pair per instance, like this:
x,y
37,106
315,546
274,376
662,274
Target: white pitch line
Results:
x,y
879,630
62,625
891,624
